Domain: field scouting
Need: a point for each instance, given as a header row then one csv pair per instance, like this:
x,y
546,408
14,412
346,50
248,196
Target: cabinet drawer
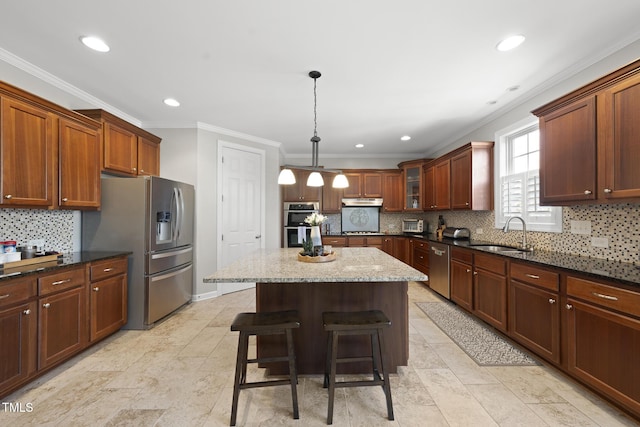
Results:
x,y
462,255
374,241
535,276
17,291
420,244
66,279
334,241
608,296
356,241
107,268
493,263
421,257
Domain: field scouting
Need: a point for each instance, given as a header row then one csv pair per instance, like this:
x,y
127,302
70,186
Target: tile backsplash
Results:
x,y
58,228
619,223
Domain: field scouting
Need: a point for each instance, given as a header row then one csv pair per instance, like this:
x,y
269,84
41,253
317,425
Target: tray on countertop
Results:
x,y
29,261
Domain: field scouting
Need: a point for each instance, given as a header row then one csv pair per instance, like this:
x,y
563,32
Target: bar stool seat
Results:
x,y
269,323
370,323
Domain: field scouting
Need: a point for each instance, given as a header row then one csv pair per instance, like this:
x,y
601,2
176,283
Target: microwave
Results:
x,y
413,226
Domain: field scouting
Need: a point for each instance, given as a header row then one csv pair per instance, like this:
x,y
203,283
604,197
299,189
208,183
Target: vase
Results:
x,y
315,235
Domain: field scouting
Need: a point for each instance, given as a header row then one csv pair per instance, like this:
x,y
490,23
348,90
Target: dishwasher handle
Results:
x,y
438,252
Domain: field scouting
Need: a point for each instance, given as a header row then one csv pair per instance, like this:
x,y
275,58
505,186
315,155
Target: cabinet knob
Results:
x,y
141,170
569,306
475,273
26,312
46,305
96,289
466,204
64,199
587,192
134,169
552,301
608,190
8,196
468,271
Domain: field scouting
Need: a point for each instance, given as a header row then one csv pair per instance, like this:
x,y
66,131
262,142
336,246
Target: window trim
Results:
x,y
499,158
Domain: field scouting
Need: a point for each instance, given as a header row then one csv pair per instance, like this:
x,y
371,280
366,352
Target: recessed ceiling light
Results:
x,y
510,43
405,138
95,43
359,145
171,102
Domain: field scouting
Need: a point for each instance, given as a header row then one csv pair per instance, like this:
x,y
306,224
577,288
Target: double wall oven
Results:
x,y
294,216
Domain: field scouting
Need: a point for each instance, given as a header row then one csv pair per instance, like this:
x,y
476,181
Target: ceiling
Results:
x,y
389,68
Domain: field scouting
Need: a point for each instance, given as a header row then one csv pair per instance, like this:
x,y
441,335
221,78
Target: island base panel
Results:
x,y
311,300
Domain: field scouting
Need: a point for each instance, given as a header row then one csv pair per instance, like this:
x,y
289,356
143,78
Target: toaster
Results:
x,y
456,233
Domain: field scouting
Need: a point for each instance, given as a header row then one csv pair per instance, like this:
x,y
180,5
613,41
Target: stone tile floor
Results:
x,y
180,373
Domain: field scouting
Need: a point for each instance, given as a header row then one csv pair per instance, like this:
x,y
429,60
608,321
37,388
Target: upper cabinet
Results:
x,y
589,142
127,149
363,184
437,188
412,184
472,177
49,155
300,191
392,199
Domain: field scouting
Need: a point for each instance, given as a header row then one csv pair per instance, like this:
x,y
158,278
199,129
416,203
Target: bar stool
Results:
x,y
268,323
356,323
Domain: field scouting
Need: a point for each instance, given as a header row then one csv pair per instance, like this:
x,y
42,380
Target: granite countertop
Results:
x,y
351,265
67,260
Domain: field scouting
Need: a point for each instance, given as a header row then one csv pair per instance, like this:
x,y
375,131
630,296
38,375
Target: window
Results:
x,y
518,180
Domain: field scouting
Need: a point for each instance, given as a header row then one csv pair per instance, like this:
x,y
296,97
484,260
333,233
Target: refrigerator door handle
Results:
x,y
174,218
172,274
180,207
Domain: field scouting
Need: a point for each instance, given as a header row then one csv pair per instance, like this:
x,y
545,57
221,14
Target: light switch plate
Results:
x,y
580,227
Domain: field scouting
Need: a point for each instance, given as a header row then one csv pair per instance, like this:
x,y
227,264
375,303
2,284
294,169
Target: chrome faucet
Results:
x,y
524,245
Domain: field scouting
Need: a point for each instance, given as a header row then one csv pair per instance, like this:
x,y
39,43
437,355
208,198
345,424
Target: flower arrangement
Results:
x,y
315,219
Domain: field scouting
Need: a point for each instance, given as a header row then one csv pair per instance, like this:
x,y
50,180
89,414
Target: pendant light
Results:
x,y
315,179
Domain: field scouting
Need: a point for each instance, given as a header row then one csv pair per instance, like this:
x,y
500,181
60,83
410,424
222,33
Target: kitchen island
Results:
x,y
359,279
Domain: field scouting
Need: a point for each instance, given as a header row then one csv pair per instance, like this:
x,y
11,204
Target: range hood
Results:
x,y
362,202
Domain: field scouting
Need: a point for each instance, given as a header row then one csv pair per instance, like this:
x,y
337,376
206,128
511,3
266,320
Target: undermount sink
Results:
x,y
499,248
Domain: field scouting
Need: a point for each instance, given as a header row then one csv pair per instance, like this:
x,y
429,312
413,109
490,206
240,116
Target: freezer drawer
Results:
x,y
165,260
167,291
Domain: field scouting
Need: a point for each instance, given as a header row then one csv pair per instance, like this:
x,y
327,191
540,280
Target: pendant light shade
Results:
x,y
340,181
315,180
286,177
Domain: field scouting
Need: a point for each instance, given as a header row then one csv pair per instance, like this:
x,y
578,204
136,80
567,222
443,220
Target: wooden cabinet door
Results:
x,y
568,153
534,319
429,188
300,191
79,165
392,191
120,149
62,326
148,157
331,197
462,284
18,344
413,191
461,181
402,249
601,349
490,290
387,246
372,185
354,189
619,140
108,306
442,188
28,154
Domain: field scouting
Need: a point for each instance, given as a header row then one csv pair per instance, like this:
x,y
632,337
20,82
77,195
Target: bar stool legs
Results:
x,y
273,323
357,323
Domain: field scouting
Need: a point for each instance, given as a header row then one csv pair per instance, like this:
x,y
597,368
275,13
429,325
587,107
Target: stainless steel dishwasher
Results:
x,y
439,269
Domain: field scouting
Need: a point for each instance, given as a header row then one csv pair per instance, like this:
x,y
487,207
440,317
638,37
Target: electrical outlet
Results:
x,y
479,231
581,227
38,243
600,242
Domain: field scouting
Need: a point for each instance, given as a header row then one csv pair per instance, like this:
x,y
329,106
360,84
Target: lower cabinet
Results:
x,y
461,277
335,241
602,342
108,297
490,290
18,343
534,310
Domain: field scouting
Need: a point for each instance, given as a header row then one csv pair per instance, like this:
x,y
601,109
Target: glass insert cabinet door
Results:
x,y
413,187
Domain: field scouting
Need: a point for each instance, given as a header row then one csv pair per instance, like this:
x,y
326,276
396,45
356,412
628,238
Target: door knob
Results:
x,y
258,236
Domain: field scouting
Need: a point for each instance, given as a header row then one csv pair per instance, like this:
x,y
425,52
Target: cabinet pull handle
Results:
x,y
552,301
60,282
603,296
64,199
26,312
608,190
46,305
468,271
587,192
532,276
106,270
8,196
4,296
96,289
569,306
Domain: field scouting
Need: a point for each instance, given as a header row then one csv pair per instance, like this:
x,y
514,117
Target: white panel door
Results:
x,y
241,208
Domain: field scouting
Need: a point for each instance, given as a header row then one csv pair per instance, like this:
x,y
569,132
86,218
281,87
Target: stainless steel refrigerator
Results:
x,y
153,218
